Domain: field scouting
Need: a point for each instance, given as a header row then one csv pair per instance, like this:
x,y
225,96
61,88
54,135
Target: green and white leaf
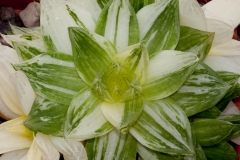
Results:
x,y
195,41
114,145
13,38
223,151
202,90
164,127
56,17
167,71
28,50
208,133
136,58
91,53
192,15
139,4
148,154
46,117
53,76
159,26
123,114
84,118
22,30
118,23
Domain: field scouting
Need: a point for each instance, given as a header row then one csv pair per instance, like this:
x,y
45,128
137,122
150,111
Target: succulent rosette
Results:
x,y
129,78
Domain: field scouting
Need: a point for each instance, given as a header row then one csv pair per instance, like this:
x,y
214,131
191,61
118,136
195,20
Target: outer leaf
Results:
x,y
71,150
16,127
84,118
28,50
164,127
230,15
56,17
7,92
230,48
223,151
10,38
118,23
22,30
148,154
159,26
137,5
13,142
17,154
192,15
112,146
53,76
195,41
91,53
208,133
6,113
49,152
8,54
202,90
46,117
167,71
24,91
136,58
34,152
123,115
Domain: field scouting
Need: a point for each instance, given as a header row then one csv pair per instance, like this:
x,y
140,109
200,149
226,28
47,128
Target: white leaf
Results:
x,y
230,48
223,31
8,54
11,142
18,154
5,112
24,91
49,152
10,38
71,150
192,15
225,10
34,152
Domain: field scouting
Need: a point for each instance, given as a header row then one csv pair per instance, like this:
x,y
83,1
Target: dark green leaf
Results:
x,y
213,113
138,4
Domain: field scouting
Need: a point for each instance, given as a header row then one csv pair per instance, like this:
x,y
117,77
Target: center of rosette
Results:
x,y
116,84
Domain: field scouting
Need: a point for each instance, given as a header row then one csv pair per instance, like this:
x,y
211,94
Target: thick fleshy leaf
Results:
x,y
93,6
49,152
8,54
16,126
7,92
167,71
24,91
119,24
223,32
84,118
223,10
202,90
216,63
195,41
56,17
53,76
28,50
223,151
164,127
230,48
159,25
231,79
114,145
5,112
123,115
192,15
136,58
148,154
137,5
11,142
208,133
46,117
91,53
213,113
71,150
17,154
34,152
